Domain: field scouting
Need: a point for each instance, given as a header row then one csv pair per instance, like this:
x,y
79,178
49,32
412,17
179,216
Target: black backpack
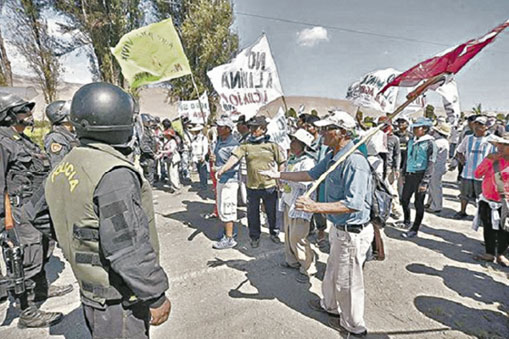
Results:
x,y
381,202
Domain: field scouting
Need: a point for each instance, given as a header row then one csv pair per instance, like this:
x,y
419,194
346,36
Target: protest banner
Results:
x,y
449,61
278,130
151,54
191,109
248,82
366,92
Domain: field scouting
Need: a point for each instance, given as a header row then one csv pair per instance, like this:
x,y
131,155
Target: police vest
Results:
x,y
69,192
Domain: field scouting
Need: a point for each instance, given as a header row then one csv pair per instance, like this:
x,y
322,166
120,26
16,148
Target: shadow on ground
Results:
x,y
262,270
473,322
72,326
470,284
454,245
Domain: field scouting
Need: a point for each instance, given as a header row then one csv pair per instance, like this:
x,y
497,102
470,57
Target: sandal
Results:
x,y
503,261
484,257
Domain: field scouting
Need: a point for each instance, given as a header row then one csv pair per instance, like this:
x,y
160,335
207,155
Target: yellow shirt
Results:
x,y
260,156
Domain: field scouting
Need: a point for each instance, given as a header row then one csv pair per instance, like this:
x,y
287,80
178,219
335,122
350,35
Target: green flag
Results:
x,y
151,54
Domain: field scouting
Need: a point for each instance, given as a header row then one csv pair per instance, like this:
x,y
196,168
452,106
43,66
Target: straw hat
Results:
x,y
443,128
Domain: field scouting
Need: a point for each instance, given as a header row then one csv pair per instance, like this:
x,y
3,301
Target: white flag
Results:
x,y
278,130
191,109
366,92
450,97
248,82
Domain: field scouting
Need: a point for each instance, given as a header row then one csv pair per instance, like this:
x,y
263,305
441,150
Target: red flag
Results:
x,y
449,61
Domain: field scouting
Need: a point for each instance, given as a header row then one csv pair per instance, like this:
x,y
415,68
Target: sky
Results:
x,y
322,46
318,52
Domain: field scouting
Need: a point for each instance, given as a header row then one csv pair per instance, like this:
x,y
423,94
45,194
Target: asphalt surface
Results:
x,y
428,287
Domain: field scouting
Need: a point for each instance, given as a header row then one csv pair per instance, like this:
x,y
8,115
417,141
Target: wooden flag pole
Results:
x,y
199,102
410,98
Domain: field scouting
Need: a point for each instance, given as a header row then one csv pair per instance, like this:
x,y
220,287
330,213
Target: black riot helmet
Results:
x,y
10,106
58,111
103,112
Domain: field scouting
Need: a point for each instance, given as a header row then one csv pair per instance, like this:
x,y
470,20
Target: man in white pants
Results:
x,y
348,192
441,133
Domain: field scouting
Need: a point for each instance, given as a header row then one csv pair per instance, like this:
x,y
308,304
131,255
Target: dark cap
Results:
x,y
258,120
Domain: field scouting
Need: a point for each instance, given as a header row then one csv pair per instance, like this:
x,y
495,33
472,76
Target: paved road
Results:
x,y
426,288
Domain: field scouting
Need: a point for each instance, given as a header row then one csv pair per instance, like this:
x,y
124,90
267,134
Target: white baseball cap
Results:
x,y
303,136
338,118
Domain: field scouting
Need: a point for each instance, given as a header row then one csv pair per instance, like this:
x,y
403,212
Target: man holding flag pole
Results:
x,y
344,172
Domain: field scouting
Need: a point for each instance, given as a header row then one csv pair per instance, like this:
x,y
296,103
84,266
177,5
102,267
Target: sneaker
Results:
x,y
315,305
275,239
460,215
335,324
429,210
404,224
395,215
210,216
225,243
255,243
409,234
33,317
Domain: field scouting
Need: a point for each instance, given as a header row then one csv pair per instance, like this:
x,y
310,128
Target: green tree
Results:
x,y
102,23
30,37
477,109
207,41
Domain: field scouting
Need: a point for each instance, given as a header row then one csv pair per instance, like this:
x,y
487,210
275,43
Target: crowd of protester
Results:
x,y
410,156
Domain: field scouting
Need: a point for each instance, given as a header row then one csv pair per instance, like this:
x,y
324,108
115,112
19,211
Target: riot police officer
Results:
x,y
148,144
23,168
103,215
61,139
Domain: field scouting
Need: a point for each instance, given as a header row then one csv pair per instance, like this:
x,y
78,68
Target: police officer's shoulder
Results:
x,y
54,142
8,133
119,178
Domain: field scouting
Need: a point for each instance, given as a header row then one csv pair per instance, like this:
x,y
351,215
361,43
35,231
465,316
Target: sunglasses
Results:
x,y
328,128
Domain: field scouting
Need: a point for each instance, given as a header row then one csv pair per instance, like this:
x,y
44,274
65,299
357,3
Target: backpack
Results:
x,y
381,203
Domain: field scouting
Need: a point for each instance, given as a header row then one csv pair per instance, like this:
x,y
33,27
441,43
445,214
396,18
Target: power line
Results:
x,y
351,30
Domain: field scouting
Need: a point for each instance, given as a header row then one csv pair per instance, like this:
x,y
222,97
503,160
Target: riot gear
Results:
x,y
12,105
103,112
58,111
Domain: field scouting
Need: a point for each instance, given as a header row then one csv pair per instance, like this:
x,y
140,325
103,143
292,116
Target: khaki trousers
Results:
x,y
343,284
297,247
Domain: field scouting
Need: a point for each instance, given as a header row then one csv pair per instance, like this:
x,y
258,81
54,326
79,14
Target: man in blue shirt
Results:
x,y
228,184
348,193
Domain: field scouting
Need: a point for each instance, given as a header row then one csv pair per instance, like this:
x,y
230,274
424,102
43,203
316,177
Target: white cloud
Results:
x,y
311,36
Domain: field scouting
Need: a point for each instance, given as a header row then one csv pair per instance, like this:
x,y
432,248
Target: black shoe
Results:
x,y
255,243
409,234
33,317
335,324
460,215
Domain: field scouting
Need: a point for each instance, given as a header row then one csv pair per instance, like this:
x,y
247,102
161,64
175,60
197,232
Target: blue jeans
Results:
x,y
203,174
269,197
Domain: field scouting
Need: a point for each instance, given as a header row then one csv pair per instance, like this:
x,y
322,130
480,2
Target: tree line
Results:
x,y
203,25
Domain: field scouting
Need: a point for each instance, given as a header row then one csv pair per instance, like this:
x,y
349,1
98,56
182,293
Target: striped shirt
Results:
x,y
475,149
